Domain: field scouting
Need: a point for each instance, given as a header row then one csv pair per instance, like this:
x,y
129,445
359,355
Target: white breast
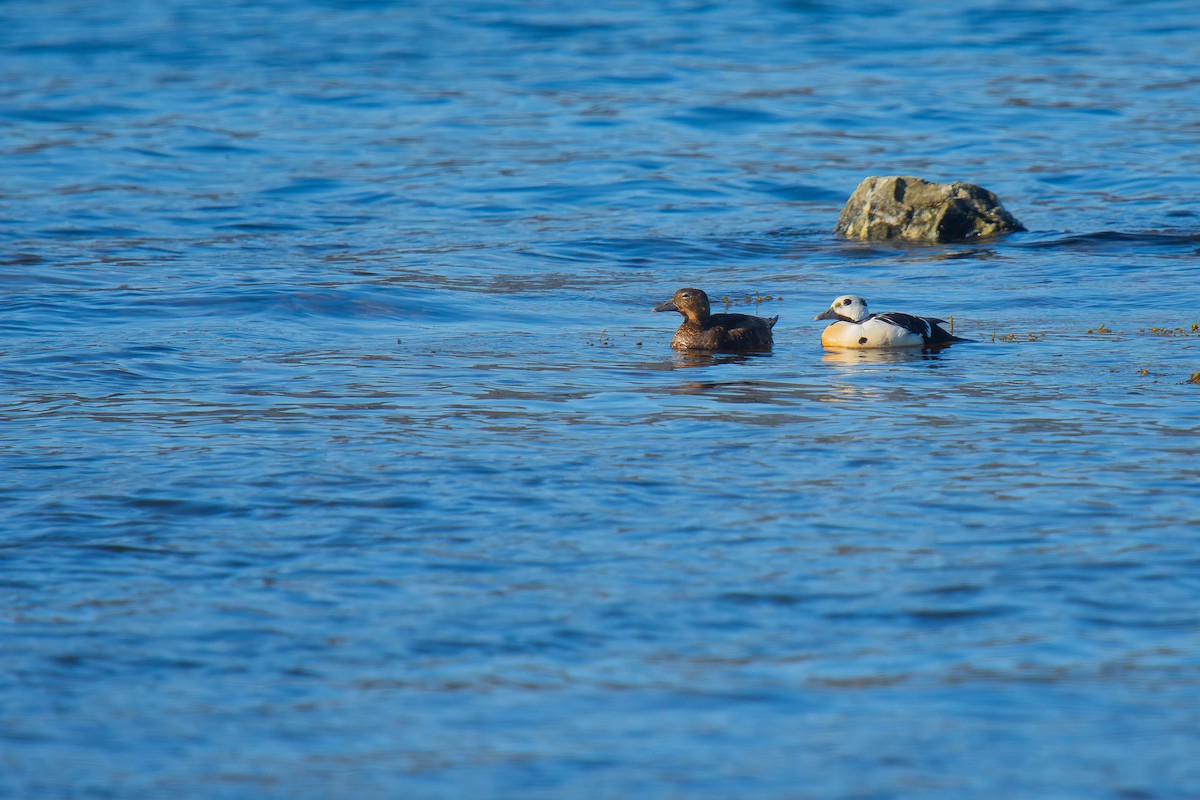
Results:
x,y
872,333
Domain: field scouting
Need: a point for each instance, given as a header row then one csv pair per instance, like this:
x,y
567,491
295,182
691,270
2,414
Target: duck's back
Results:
x,y
726,332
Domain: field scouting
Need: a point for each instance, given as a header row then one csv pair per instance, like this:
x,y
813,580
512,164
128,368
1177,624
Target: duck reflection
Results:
x,y
852,357
852,380
731,389
693,359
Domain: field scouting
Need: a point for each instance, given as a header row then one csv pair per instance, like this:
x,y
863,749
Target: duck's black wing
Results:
x,y
928,327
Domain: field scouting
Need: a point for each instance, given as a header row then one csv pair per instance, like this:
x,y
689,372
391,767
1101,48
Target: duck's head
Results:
x,y
692,303
846,308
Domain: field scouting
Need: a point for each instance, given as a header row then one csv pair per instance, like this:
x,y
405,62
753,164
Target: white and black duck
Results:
x,y
855,326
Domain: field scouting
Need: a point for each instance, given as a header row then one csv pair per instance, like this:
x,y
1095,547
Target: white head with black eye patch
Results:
x,y
847,307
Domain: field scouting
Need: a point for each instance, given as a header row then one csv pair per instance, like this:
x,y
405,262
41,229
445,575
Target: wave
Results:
x,y
1108,240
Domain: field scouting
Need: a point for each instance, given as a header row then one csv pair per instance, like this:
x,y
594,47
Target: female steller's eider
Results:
x,y
702,330
854,326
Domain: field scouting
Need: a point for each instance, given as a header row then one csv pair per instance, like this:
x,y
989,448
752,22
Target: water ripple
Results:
x,y
344,455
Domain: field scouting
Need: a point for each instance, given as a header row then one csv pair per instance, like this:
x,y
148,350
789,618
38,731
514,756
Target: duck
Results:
x,y
855,326
703,330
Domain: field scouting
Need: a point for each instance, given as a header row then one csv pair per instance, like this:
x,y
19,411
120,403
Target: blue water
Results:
x,y
342,456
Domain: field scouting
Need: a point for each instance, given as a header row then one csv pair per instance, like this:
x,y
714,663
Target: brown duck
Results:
x,y
702,330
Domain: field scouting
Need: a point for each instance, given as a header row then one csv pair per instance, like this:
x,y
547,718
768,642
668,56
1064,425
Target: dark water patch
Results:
x,y
936,615
799,193
89,232
305,186
725,117
66,114
784,599
1114,241
22,259
123,549
224,148
261,227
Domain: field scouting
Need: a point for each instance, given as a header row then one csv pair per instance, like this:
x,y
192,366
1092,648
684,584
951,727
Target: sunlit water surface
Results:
x,y
343,457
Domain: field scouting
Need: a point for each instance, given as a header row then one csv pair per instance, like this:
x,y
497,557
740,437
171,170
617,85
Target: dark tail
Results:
x,y
939,336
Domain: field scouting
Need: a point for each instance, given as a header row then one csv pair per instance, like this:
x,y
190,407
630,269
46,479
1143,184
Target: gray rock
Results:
x,y
904,207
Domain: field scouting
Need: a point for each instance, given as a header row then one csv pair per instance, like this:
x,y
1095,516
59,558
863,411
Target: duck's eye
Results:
x,y
847,301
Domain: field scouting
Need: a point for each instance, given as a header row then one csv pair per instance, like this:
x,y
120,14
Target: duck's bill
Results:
x,y
828,313
667,306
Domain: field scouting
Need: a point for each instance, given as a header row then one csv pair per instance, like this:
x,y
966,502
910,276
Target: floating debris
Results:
x,y
758,298
602,341
1013,337
1168,331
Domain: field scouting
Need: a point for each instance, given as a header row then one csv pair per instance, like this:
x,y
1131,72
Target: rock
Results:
x,y
904,207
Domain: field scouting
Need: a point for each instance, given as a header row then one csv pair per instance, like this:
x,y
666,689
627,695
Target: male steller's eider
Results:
x,y
854,326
